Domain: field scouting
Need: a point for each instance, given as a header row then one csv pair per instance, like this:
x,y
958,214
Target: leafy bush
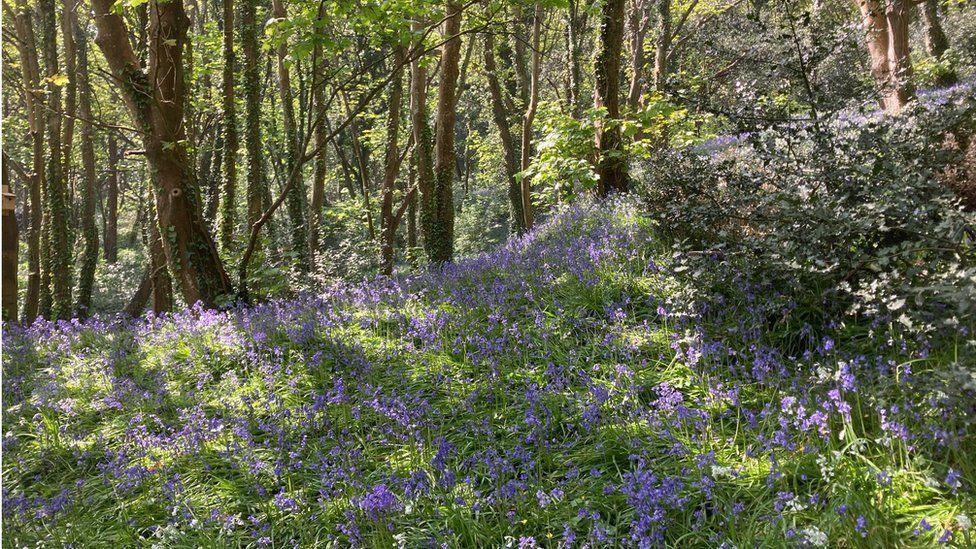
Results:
x,y
850,215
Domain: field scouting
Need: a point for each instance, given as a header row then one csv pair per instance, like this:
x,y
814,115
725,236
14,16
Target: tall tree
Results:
x,y
662,50
10,246
111,246
321,107
575,29
361,158
527,119
59,239
30,72
510,155
886,35
228,205
155,103
252,100
86,276
423,159
439,239
296,192
637,22
68,21
611,167
391,163
936,42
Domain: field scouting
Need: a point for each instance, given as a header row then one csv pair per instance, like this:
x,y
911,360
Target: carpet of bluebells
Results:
x,y
561,391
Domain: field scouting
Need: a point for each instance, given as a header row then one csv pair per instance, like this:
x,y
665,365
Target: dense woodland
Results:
x,y
489,273
234,150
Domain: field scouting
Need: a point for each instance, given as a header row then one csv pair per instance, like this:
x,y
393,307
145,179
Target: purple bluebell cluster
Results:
x,y
560,391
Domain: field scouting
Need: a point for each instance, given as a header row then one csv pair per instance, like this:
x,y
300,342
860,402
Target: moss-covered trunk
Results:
x,y
155,102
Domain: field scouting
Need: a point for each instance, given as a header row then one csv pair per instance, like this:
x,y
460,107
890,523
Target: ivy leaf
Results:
x,y
59,80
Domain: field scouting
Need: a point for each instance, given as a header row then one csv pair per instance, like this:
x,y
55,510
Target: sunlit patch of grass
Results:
x,y
280,428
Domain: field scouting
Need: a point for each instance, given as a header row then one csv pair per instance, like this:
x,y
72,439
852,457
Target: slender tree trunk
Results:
x,y
936,42
611,168
662,53
68,21
412,214
321,168
637,23
526,182
59,238
575,30
423,144
189,114
155,103
899,54
364,179
391,163
112,202
296,194
510,155
30,72
252,98
11,245
138,300
228,203
521,60
440,241
86,277
213,189
886,35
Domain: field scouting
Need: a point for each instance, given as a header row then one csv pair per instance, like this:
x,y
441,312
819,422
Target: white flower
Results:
x,y
720,471
795,505
964,522
815,536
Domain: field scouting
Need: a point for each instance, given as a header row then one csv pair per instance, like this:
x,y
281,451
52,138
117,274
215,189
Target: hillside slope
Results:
x,y
560,391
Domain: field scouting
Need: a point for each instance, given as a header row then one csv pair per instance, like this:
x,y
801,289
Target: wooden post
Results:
x,y
10,245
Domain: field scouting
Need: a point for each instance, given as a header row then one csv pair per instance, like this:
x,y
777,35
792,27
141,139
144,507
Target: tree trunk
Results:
x,y
252,98
138,300
189,116
412,215
86,277
440,240
611,168
391,164
662,53
364,179
162,284
575,30
886,28
526,148
59,240
899,54
423,144
321,168
228,204
112,202
296,194
68,21
155,104
30,72
213,188
510,155
637,23
11,244
936,43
